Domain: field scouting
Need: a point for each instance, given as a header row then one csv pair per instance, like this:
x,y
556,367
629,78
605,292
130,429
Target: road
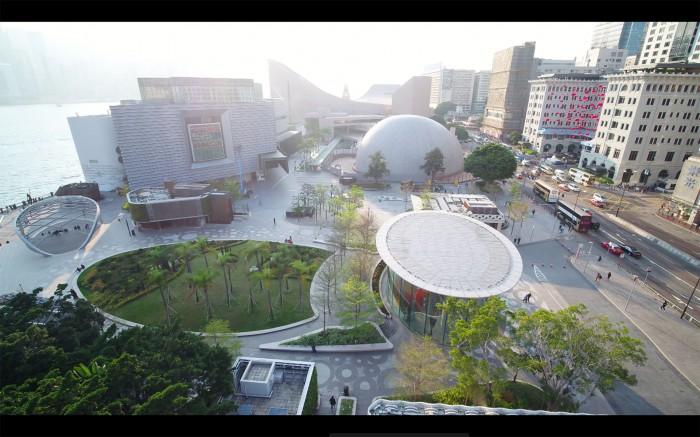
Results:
x,y
671,277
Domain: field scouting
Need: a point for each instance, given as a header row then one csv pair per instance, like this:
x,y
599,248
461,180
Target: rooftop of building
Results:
x,y
449,254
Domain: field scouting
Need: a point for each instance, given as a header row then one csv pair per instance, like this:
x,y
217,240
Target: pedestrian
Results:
x,y
663,305
332,401
529,295
609,275
599,258
313,348
598,277
518,240
274,221
82,267
533,212
561,229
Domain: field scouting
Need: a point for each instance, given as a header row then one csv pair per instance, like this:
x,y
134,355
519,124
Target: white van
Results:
x,y
559,172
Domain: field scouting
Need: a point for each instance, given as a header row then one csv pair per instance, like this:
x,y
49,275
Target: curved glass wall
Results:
x,y
416,307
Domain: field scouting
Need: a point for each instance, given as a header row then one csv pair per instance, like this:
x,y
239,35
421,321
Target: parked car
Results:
x,y
631,251
573,187
599,197
611,247
558,179
519,176
564,187
597,203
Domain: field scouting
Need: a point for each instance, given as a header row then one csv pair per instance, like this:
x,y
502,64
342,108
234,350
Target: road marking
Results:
x,y
539,274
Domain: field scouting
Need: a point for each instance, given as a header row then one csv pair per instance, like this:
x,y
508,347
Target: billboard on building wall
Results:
x,y
207,141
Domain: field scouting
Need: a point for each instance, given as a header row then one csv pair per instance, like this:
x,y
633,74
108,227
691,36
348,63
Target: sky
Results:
x,y
329,55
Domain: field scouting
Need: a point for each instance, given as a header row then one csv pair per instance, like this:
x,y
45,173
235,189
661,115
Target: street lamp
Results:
x,y
624,188
691,296
632,291
590,249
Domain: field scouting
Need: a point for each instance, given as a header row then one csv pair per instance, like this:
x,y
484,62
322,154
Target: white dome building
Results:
x,y
404,140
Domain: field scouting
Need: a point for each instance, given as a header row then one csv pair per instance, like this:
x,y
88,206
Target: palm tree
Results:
x,y
202,242
204,278
186,252
157,276
266,275
302,271
234,189
225,262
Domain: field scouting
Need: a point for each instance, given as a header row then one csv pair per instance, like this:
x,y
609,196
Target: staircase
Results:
x,y
388,327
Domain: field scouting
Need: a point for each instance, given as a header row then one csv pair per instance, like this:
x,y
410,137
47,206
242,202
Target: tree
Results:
x,y
202,243
377,167
327,277
461,132
157,276
302,270
439,119
572,354
433,163
366,229
225,261
443,108
422,367
357,301
491,162
321,198
217,326
474,328
514,137
518,212
204,278
234,189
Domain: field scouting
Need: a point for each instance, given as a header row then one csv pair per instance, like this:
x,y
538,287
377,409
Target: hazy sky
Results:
x,y
329,55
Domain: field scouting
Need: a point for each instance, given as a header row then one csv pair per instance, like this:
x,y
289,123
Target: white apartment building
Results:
x,y
563,110
666,41
649,124
451,85
604,60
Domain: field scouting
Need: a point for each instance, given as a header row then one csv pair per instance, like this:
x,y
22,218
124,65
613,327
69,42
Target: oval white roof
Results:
x,y
449,254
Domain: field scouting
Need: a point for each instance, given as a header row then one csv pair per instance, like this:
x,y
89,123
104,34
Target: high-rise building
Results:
x,y
412,98
435,73
563,110
481,91
509,88
666,41
451,85
648,126
603,60
619,35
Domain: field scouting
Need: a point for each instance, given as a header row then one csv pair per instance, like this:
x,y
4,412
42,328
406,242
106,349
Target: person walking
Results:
x,y
274,221
599,258
609,275
332,401
598,277
663,305
313,348
533,212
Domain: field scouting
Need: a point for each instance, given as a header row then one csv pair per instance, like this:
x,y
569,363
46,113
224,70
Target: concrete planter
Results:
x,y
344,400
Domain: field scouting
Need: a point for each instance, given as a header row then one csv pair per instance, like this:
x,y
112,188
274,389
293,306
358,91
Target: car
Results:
x,y
564,187
519,176
631,251
611,247
573,187
599,197
558,179
597,203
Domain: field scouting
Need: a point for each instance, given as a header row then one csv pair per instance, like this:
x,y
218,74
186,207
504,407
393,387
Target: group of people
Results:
x,y
527,297
289,240
80,268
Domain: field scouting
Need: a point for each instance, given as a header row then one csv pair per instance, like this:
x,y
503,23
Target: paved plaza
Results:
x,y
668,383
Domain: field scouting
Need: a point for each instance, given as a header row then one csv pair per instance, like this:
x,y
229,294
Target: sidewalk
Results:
x,y
675,338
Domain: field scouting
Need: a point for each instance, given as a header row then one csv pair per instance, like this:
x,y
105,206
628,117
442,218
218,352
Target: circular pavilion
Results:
x,y
431,255
58,224
404,140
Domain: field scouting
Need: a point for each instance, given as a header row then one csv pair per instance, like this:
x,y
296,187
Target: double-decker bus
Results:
x,y
580,219
548,192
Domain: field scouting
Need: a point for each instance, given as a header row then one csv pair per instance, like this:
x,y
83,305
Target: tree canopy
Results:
x,y
491,162
571,354
377,167
66,364
433,163
443,108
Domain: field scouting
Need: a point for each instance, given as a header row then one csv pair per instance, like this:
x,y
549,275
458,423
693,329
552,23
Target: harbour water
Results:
x,y
37,153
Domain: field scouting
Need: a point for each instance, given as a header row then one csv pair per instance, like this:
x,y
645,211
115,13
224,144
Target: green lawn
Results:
x,y
148,309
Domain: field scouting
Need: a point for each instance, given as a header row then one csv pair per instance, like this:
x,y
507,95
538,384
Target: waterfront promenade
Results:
x,y
668,383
